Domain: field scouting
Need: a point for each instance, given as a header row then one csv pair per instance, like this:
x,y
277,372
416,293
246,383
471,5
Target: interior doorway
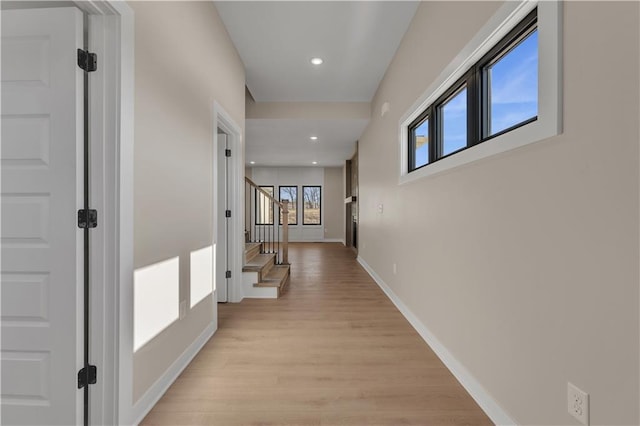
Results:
x,y
223,216
351,202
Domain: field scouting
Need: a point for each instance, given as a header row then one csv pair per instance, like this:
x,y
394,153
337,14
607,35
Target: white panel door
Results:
x,y
41,189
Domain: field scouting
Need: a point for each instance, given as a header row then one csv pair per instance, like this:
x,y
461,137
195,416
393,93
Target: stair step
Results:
x,y
251,250
277,277
261,263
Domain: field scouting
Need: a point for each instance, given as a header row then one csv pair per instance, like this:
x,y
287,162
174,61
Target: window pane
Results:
x,y
290,193
454,123
311,205
421,148
264,206
513,86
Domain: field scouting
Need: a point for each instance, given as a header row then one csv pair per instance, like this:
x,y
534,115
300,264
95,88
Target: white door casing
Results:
x,y
221,222
235,186
42,270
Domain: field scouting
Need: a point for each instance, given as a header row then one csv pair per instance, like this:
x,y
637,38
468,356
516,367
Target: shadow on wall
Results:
x,y
156,293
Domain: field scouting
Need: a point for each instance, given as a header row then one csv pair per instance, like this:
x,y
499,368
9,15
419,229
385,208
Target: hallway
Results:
x,y
332,351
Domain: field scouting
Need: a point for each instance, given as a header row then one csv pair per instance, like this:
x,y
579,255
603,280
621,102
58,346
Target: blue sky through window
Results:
x,y
454,123
514,85
512,99
422,144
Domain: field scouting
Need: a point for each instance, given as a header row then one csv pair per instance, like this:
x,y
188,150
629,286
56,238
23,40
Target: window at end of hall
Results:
x,y
290,194
497,95
311,205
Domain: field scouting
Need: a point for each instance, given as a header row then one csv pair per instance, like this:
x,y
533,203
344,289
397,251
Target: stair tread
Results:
x,y
258,262
251,250
250,246
277,273
277,277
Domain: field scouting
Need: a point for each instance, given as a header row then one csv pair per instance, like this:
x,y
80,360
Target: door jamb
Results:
x,y
111,35
222,120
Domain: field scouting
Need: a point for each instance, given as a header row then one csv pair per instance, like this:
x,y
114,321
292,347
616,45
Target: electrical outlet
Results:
x,y
578,404
380,208
183,309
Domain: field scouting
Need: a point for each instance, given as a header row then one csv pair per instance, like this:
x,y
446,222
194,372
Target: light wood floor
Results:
x,y
332,351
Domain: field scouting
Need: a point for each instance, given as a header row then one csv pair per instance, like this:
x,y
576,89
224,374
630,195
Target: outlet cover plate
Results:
x,y
578,403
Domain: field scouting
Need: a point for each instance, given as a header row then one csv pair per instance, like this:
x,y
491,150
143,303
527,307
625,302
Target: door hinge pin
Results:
x,y
227,274
227,213
227,153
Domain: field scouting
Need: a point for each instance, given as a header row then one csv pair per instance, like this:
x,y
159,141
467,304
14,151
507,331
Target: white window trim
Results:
x,y
549,122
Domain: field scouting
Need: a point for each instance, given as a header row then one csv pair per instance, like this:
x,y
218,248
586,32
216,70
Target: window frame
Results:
x,y
257,197
425,116
475,82
550,88
320,206
525,28
280,199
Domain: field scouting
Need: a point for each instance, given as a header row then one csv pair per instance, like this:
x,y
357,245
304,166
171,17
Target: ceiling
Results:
x,y
276,40
287,142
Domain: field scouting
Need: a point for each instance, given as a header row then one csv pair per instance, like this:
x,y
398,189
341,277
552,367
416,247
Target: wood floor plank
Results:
x,y
333,350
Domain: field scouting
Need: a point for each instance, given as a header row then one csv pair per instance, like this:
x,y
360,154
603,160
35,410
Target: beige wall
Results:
x,y
524,265
333,203
184,61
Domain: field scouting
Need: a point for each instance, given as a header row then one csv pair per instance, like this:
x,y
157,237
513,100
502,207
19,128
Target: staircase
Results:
x,y
266,269
260,270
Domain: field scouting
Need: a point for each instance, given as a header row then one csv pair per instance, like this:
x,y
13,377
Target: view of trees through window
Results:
x,y
311,205
290,193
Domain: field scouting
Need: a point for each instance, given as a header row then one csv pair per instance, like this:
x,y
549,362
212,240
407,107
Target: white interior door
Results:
x,y
42,181
222,222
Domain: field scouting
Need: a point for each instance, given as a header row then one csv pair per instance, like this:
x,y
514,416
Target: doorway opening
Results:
x,y
223,217
228,206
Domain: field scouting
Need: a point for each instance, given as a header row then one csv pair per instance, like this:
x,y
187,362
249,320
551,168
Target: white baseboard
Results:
x,y
333,240
475,389
317,240
155,392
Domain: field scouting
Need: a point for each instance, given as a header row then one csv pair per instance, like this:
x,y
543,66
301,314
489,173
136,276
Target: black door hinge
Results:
x,y
87,61
227,274
87,377
227,153
87,219
227,213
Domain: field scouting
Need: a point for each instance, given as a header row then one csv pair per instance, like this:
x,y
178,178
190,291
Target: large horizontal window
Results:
x,y
510,72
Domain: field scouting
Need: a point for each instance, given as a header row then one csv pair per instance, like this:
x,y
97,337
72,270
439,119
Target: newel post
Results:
x,y
285,232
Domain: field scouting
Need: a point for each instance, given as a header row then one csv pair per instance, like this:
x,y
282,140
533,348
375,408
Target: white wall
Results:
x,y
523,265
334,206
184,62
299,176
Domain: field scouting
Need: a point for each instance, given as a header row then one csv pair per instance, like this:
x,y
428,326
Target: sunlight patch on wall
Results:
x,y
156,295
201,274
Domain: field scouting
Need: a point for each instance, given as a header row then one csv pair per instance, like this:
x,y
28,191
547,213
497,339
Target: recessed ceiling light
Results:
x,y
252,162
314,138
314,162
316,61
